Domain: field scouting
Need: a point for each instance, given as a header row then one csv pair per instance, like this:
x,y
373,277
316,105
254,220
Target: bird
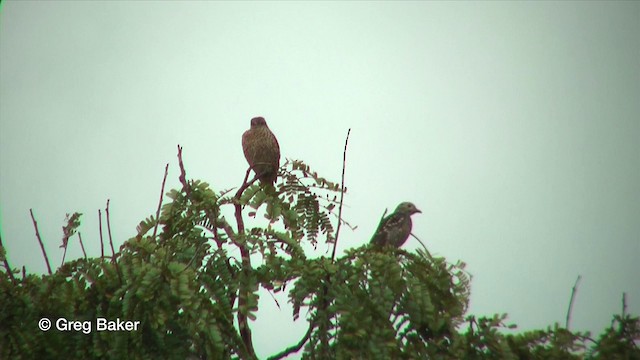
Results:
x,y
394,230
262,151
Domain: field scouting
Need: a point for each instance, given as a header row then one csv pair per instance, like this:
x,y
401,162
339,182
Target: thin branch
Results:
x,y
344,165
6,263
64,254
274,299
113,252
343,221
324,302
82,245
100,228
573,294
296,347
193,258
624,304
245,185
114,256
24,272
423,245
155,228
44,253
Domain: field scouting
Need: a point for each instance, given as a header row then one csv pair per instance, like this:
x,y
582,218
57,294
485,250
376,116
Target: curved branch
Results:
x,y
573,294
344,164
296,347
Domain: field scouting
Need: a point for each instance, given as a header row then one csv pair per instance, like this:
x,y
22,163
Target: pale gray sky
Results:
x,y
515,127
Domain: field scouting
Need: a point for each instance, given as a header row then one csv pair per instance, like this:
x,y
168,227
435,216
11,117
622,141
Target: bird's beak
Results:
x,y
417,211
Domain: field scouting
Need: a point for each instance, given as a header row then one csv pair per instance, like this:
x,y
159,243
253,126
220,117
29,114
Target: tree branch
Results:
x,y
100,229
114,255
164,180
243,325
296,347
82,245
344,165
573,294
64,254
44,253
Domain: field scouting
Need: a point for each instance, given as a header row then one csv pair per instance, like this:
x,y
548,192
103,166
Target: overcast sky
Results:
x,y
513,126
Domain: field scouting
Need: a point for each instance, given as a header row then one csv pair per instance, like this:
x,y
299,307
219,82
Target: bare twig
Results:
x,y
114,255
155,228
6,264
344,165
624,304
64,254
296,347
573,294
113,252
274,299
24,272
100,228
44,253
82,245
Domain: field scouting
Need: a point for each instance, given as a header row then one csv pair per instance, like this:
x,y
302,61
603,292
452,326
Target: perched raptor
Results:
x,y
394,229
261,150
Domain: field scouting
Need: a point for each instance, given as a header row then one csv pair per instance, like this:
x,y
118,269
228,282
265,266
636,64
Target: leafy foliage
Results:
x,y
191,278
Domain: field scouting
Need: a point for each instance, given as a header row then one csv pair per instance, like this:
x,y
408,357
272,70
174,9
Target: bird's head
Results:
x,y
407,208
258,121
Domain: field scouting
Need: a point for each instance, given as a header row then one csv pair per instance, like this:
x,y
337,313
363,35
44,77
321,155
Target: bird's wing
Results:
x,y
388,229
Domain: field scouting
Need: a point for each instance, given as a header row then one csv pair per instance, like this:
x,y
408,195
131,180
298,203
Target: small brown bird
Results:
x,y
261,150
394,230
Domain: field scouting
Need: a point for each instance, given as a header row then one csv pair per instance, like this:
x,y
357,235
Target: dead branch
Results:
x,y
100,229
114,255
164,180
44,253
82,245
